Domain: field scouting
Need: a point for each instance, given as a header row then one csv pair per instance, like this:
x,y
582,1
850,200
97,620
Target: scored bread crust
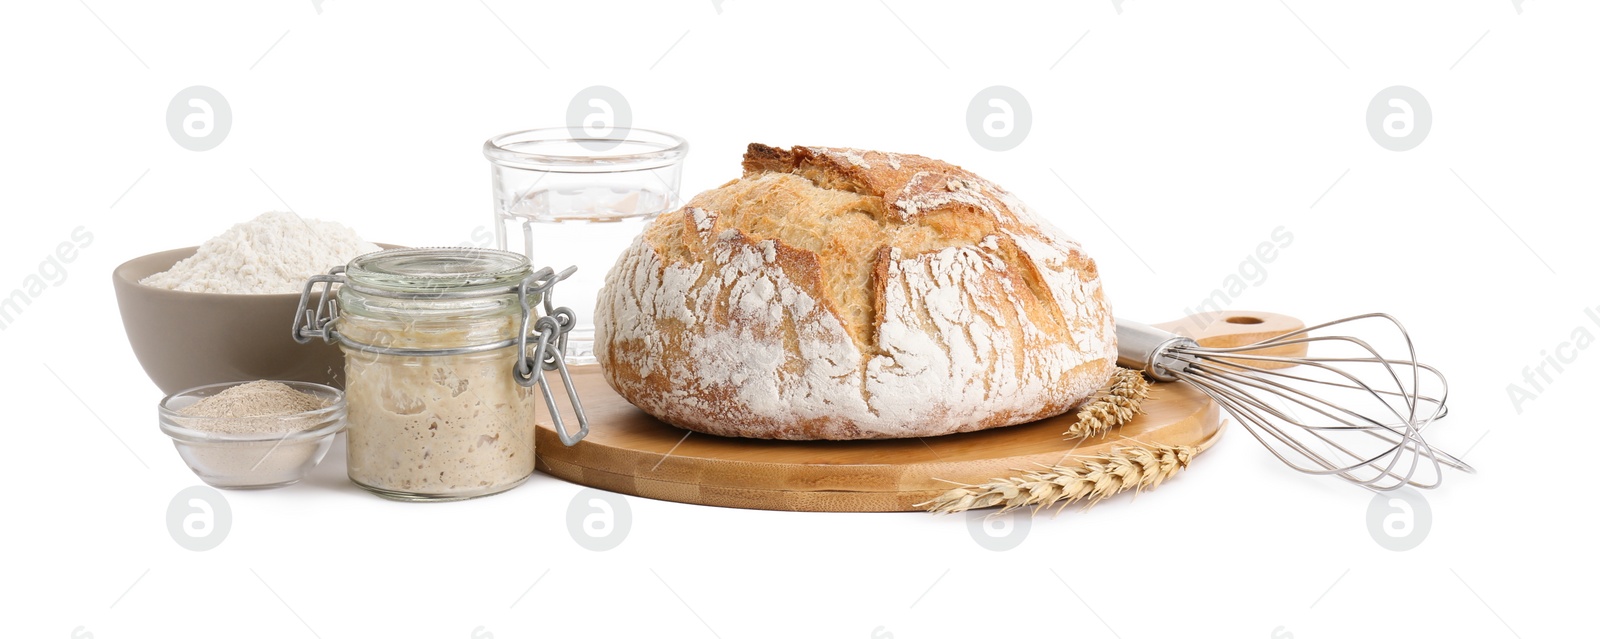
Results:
x,y
837,293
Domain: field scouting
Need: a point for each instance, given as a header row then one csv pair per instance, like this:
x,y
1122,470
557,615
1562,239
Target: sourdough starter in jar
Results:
x,y
428,426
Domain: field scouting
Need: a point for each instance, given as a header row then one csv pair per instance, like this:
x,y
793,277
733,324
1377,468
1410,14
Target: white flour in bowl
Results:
x,y
274,253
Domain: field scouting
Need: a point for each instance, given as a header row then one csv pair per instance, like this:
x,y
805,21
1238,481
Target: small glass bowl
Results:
x,y
249,460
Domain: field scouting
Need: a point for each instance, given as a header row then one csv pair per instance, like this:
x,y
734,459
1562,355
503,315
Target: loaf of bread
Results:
x,y
837,293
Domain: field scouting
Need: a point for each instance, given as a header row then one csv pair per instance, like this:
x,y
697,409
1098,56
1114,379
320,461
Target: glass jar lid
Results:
x,y
438,271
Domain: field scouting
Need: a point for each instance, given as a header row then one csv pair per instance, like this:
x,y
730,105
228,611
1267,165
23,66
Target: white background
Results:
x,y
1191,131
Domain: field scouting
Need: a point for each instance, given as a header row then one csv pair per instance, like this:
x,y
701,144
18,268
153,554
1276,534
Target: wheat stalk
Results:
x,y
1113,406
1092,479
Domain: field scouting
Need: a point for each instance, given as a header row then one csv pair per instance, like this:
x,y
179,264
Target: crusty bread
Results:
x,y
844,294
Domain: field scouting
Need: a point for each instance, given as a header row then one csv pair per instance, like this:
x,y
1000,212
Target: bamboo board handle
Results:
x,y
1228,329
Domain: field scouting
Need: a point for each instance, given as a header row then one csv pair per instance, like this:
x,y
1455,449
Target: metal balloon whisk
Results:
x,y
1349,412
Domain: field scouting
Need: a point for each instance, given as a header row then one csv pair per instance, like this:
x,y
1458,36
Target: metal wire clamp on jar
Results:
x,y
438,369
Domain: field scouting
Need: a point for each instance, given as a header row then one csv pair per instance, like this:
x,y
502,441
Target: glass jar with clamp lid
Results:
x,y
443,347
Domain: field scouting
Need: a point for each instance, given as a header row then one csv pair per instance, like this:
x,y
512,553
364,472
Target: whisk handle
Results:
x,y
1146,348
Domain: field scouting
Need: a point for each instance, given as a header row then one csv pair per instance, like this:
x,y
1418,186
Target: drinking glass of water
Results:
x,y
563,198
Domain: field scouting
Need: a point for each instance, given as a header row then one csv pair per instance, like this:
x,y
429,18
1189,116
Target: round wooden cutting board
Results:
x,y
630,452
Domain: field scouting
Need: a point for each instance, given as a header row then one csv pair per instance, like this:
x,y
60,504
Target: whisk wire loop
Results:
x,y
1354,413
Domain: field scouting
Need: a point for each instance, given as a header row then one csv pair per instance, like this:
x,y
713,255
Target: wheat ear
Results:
x,y
1113,406
1090,480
